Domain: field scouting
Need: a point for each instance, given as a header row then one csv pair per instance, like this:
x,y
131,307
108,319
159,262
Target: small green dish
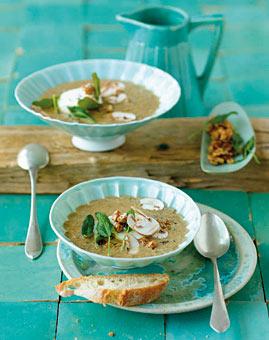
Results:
x,y
242,125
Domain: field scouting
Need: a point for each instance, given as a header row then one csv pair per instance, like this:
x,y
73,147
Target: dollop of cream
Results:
x,y
70,98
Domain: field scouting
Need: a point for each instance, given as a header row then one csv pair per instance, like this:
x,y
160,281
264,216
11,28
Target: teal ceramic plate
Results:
x,y
191,277
242,125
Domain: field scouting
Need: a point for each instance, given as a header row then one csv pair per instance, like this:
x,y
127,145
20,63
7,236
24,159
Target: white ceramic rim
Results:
x,y
46,118
157,258
199,303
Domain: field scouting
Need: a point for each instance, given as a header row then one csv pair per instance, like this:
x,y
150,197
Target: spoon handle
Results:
x,y
33,242
219,319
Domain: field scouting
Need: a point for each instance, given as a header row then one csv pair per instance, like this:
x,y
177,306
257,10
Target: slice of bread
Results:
x,y
118,289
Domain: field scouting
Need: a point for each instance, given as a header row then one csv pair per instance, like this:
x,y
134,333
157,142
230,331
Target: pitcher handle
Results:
x,y
215,20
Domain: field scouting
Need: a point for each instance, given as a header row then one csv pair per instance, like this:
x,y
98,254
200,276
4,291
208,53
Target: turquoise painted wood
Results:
x,y
25,280
31,321
91,321
14,216
38,33
249,320
260,213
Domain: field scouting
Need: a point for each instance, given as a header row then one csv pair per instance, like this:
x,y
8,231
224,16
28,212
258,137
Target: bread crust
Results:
x,y
129,296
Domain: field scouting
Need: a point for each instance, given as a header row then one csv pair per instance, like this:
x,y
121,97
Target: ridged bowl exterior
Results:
x,y
159,82
85,192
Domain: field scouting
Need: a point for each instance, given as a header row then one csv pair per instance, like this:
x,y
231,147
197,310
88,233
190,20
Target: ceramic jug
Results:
x,y
159,37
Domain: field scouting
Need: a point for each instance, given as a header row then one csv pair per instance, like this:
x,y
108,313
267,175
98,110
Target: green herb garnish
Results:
x,y
237,142
78,112
103,228
55,103
131,212
96,85
87,226
220,118
45,103
247,148
88,103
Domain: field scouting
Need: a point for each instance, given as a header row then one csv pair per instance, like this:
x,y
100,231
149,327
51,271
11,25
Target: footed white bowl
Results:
x,y
99,137
85,192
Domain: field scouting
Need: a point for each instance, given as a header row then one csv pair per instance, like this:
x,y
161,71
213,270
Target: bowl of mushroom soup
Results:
x,y
125,222
98,101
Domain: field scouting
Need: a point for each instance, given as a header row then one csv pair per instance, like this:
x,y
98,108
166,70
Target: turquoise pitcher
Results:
x,y
159,37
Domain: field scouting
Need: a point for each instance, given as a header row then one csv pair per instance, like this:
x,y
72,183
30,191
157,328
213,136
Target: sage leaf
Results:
x,y
98,238
220,118
104,228
96,85
77,112
248,147
88,103
87,226
237,142
45,103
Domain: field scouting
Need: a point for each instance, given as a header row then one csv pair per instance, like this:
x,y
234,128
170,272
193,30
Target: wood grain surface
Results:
x,y
165,149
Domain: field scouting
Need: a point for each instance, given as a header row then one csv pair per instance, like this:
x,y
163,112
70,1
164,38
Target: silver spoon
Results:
x,y
32,158
213,241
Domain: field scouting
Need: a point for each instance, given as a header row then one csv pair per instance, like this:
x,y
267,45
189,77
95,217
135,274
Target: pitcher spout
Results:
x,y
155,17
129,20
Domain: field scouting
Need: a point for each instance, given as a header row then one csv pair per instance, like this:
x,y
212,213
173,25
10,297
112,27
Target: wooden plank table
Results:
x,y
35,34
165,149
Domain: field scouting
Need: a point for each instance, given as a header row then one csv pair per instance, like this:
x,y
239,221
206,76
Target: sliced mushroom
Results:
x,y
161,235
117,99
136,235
108,91
132,244
142,224
151,204
123,116
121,236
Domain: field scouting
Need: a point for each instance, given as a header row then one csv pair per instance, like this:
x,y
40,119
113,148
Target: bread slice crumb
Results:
x,y
119,289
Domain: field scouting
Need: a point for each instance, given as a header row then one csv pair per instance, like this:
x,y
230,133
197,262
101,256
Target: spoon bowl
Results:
x,y
33,156
212,239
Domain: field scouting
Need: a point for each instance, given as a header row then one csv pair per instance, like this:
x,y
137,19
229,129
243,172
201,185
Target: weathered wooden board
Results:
x,y
141,155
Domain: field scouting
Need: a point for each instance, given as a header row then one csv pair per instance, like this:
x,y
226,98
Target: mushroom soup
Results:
x,y
126,227
97,101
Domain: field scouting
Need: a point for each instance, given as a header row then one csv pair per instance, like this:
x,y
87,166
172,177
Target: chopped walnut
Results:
x,y
115,215
122,218
152,244
220,149
148,243
164,225
119,227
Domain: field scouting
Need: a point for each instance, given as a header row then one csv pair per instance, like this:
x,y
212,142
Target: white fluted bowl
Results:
x,y
99,137
85,192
